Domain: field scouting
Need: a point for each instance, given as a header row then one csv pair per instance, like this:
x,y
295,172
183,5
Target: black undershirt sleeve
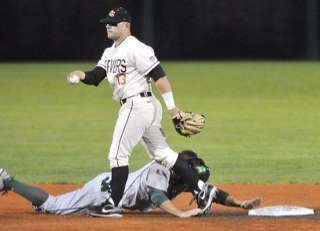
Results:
x,y
95,76
157,73
157,196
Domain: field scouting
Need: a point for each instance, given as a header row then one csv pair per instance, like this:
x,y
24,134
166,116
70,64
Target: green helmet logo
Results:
x,y
200,168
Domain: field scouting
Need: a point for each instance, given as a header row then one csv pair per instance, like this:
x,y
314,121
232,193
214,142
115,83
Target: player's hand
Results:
x,y
75,77
250,204
173,112
191,213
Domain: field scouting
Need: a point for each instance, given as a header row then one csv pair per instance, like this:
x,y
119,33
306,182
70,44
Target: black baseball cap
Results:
x,y
117,15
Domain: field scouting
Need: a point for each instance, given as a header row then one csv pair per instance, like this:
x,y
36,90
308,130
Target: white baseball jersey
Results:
x,y
139,120
96,192
126,67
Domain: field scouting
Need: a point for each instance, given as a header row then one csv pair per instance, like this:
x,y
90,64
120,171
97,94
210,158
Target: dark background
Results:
x,y
68,30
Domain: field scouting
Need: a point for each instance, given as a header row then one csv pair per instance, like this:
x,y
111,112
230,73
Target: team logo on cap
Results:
x,y
112,13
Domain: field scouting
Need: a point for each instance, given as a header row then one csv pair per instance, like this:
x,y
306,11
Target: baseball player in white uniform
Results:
x,y
150,187
129,66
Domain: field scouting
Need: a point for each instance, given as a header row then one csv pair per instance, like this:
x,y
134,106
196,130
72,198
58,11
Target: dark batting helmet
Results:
x,y
196,164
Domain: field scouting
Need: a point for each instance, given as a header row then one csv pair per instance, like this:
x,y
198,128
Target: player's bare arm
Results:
x,y
247,204
164,87
170,208
225,199
185,123
160,199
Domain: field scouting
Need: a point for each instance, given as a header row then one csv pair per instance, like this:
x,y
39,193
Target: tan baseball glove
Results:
x,y
188,123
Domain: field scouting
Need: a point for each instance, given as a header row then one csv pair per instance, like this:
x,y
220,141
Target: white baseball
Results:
x,y
74,79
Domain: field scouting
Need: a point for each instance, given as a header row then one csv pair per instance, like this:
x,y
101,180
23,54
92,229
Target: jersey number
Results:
x,y
122,78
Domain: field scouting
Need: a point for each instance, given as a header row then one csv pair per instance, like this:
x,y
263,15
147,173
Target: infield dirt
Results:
x,y
17,214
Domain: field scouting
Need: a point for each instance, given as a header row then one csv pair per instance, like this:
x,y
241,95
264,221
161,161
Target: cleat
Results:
x,y
205,198
105,210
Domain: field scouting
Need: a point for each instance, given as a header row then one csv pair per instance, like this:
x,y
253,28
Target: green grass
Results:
x,y
263,123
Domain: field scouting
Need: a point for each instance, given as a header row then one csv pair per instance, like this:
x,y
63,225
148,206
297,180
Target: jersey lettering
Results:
x,y
126,67
116,66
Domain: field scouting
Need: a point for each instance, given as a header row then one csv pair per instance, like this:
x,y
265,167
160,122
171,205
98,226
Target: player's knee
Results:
x,y
167,157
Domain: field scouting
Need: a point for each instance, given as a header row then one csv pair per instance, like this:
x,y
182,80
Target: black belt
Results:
x,y
142,94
